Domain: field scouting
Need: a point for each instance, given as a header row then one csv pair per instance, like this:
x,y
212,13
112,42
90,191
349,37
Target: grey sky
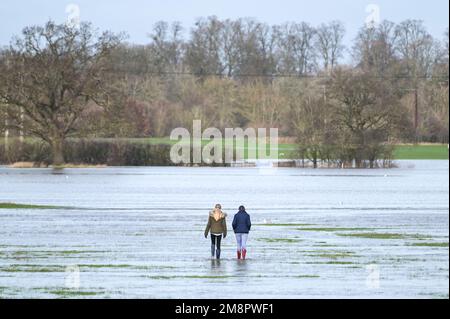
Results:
x,y
136,17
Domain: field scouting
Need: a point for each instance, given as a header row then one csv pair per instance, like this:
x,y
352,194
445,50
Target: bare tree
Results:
x,y
366,109
204,50
312,118
416,48
296,45
374,48
166,47
230,46
329,44
53,73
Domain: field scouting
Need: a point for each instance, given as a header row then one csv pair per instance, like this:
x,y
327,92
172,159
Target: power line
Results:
x,y
275,75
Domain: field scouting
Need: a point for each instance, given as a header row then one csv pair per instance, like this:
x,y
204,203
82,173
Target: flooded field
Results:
x,y
138,233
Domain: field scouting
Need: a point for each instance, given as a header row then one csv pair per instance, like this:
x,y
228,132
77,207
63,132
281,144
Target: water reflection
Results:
x,y
58,171
215,264
241,268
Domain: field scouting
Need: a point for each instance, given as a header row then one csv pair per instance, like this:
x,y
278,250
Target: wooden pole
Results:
x,y
416,114
21,133
6,132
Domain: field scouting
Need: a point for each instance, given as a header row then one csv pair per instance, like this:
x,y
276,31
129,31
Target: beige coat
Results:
x,y
216,226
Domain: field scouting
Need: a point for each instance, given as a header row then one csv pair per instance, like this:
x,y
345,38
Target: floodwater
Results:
x,y
138,233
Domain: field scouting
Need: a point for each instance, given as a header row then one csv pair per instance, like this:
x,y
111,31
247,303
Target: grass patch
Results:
x,y
72,293
386,236
430,244
161,277
283,225
288,150
124,266
330,254
207,277
332,229
25,206
418,152
104,266
74,252
33,268
333,262
42,254
375,235
336,255
326,245
279,240
61,268
402,260
188,277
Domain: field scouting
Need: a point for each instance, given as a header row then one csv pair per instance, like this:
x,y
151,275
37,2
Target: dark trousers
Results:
x,y
215,241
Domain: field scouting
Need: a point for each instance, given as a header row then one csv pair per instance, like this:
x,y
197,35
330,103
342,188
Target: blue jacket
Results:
x,y
242,223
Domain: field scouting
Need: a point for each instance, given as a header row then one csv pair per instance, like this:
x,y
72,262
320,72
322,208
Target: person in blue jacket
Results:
x,y
241,227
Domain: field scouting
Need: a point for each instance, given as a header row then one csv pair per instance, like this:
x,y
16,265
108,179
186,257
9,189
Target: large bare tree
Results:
x,y
366,110
52,73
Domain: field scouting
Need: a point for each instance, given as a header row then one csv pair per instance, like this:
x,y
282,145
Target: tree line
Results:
x,y
58,81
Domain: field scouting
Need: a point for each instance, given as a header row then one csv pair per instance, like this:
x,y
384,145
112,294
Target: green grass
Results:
x,y
207,277
332,262
430,244
188,277
72,293
125,266
60,268
283,225
332,229
401,152
77,252
417,152
288,151
25,206
325,245
104,266
33,268
330,254
385,236
279,240
160,277
375,235
336,255
28,254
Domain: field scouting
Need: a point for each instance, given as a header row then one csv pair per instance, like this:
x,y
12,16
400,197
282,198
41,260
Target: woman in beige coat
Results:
x,y
217,225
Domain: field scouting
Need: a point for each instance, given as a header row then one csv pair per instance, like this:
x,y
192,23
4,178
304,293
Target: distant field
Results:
x,y
426,151
287,151
401,152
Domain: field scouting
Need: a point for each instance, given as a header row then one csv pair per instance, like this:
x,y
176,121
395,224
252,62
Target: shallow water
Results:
x,y
138,232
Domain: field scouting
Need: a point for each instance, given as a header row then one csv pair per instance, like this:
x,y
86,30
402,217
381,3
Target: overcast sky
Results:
x,y
136,17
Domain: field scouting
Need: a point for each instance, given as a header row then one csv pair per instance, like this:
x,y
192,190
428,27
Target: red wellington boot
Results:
x,y
239,254
244,253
